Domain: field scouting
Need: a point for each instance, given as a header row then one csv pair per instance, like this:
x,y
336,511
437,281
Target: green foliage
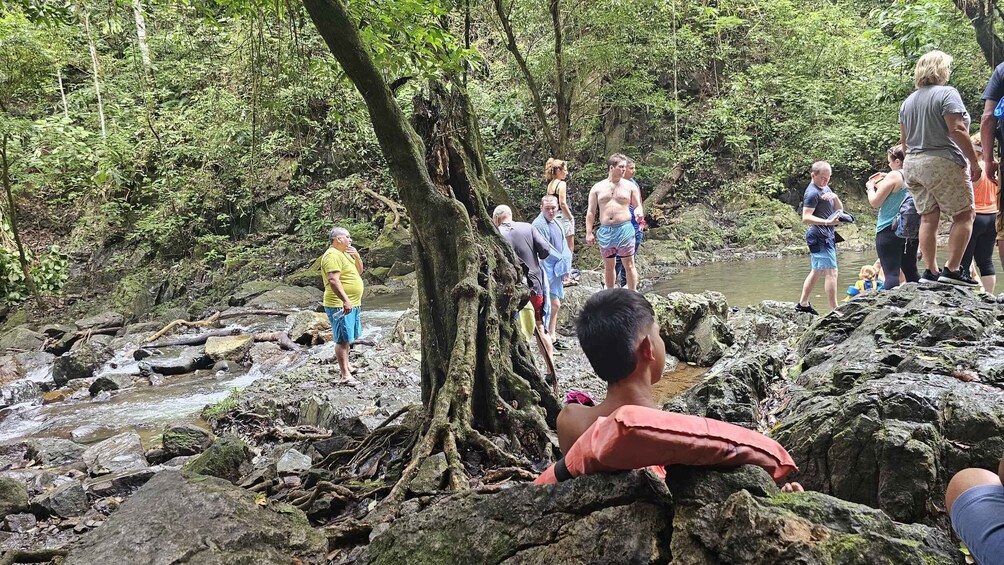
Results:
x,y
50,273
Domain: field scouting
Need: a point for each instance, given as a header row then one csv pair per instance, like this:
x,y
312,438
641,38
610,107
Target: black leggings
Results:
x,y
896,253
981,245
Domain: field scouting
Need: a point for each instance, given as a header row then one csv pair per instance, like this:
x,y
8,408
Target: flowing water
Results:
x,y
147,409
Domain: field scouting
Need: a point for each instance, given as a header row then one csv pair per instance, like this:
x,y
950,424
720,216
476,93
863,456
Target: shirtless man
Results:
x,y
612,198
618,333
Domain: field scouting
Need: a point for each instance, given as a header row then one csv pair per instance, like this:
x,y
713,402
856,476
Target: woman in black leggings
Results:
x,y
981,243
886,193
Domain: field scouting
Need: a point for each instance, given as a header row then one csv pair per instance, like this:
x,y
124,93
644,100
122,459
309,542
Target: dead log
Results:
x,y
281,337
664,187
215,317
199,339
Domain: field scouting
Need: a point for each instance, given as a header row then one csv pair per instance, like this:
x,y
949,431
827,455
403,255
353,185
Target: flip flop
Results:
x,y
349,382
571,282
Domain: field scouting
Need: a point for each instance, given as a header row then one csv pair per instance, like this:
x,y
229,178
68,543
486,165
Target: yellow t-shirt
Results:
x,y
335,260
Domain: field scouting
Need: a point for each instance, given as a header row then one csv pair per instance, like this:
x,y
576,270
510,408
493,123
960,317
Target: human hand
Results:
x,y
829,196
975,171
990,168
346,307
351,250
590,238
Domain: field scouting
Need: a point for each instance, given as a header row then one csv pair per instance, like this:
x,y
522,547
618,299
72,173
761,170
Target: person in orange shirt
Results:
x,y
981,244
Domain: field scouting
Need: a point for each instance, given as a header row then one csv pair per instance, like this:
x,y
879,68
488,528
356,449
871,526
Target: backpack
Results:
x,y
906,224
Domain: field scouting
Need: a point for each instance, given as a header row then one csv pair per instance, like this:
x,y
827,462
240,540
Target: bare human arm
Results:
x,y
808,218
1000,471
878,192
639,213
959,133
902,136
988,125
593,205
336,286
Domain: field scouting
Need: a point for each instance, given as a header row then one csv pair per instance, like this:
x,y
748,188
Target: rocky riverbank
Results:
x,y
878,402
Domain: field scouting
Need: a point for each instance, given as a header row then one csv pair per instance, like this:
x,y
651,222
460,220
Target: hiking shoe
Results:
x,y
928,277
957,278
807,308
561,345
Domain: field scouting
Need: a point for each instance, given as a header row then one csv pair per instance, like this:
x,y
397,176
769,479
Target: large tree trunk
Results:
x,y
478,377
981,15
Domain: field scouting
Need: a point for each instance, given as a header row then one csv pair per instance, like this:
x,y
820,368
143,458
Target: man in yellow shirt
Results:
x,y
343,295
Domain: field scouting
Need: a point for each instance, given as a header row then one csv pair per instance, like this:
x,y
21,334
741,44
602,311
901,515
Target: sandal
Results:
x,y
571,282
349,382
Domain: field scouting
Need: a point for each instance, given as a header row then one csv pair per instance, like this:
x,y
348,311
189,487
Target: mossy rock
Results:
x,y
185,439
13,497
227,458
393,245
311,276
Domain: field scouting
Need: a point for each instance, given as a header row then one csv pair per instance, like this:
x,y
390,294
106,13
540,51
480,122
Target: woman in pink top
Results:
x,y
981,243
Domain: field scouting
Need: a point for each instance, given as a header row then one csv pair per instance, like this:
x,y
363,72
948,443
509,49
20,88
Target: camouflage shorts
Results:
x,y
936,182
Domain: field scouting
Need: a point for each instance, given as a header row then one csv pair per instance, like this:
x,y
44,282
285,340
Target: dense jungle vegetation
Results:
x,y
154,151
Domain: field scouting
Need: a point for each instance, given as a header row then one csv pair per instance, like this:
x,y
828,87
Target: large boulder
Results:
x,y
13,497
305,327
704,516
694,326
251,289
881,412
287,298
119,453
185,439
174,520
80,362
100,321
53,452
227,458
64,501
393,245
311,276
229,348
21,338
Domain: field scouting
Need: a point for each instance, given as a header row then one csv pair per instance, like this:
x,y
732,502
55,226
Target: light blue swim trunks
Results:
x,y
616,240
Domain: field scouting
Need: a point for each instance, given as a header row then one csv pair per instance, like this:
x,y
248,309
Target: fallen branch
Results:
x,y
280,337
239,313
394,206
201,324
31,556
664,187
199,339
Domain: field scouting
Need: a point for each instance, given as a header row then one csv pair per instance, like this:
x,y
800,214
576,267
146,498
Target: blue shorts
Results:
x,y
825,259
345,327
978,518
616,240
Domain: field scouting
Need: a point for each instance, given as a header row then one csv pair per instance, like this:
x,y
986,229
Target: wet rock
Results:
x,y
13,497
232,348
199,521
60,338
80,362
227,458
19,523
185,439
875,415
118,453
53,396
21,338
19,391
118,484
287,298
292,461
91,433
64,501
184,360
250,290
103,320
226,366
53,452
734,389
10,369
109,383
304,326
694,326
401,268
429,478
408,330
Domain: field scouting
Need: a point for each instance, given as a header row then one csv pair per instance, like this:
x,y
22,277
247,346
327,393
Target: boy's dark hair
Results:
x,y
608,329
